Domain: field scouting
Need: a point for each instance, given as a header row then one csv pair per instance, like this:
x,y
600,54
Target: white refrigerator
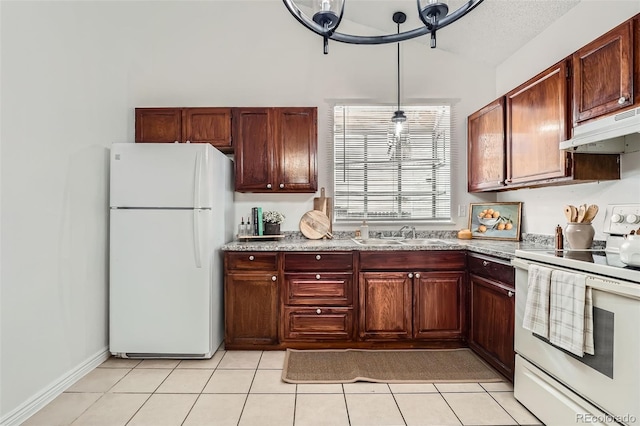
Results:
x,y
171,209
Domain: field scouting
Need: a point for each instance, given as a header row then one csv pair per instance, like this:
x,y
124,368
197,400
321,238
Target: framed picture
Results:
x,y
496,221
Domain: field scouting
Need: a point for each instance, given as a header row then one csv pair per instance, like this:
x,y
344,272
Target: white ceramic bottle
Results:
x,y
364,230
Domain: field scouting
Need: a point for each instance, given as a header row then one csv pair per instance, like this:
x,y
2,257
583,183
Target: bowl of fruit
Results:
x,y
489,217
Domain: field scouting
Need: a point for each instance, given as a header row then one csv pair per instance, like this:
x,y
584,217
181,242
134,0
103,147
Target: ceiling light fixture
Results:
x,y
327,15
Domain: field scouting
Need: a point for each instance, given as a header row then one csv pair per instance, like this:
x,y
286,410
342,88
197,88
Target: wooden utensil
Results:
x,y
591,213
574,213
314,225
325,205
582,210
567,213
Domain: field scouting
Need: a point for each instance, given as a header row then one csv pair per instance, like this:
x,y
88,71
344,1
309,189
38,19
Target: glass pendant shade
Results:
x,y
327,12
433,8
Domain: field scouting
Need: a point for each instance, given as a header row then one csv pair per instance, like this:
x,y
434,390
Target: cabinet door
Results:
x,y
537,115
158,125
251,309
385,305
438,305
208,125
603,74
486,147
492,321
254,151
296,142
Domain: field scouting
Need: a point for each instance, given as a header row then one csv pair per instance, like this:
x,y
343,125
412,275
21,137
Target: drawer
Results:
x,y
492,268
318,262
251,261
318,323
429,260
319,289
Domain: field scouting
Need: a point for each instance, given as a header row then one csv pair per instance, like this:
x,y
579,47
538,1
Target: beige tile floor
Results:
x,y
244,388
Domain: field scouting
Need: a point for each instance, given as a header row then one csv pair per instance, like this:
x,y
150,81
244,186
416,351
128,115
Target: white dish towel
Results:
x,y
571,313
536,311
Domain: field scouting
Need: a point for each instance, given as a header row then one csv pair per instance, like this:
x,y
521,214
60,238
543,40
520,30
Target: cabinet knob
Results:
x,y
417,275
622,100
273,278
251,258
510,293
318,257
410,275
176,142
188,141
485,263
268,186
318,311
317,276
281,185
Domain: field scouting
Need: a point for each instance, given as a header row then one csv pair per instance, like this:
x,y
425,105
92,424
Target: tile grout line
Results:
x,y
505,410
449,405
393,395
255,371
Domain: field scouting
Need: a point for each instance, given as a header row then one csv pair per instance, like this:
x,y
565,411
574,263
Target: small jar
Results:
x,y
579,235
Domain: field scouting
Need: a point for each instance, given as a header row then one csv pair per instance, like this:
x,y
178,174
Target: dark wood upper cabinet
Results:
x,y
276,149
208,125
603,74
185,125
537,115
158,125
486,147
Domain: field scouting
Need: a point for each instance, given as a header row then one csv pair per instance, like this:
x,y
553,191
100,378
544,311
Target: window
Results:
x,y
381,177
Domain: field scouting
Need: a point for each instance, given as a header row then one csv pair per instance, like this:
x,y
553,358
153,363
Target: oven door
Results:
x,y
609,379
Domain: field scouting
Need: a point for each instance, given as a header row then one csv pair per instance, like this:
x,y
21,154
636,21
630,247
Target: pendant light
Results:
x,y
398,117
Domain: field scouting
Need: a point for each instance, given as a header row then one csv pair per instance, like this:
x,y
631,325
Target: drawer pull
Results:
x,y
417,275
273,278
317,276
485,263
281,185
318,311
410,275
510,293
622,100
268,186
251,258
318,257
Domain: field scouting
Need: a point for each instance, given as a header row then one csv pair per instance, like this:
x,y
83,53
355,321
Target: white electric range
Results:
x,y
561,388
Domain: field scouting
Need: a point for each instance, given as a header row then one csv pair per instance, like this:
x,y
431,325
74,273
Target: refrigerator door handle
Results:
x,y
198,180
196,237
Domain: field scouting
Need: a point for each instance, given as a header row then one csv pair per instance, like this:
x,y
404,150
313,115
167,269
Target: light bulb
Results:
x,y
398,128
326,5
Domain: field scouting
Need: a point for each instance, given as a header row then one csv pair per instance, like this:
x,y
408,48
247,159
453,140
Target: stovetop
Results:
x,y
596,262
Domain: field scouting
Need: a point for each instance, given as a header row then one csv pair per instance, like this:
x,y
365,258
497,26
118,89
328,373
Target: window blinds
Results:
x,y
380,177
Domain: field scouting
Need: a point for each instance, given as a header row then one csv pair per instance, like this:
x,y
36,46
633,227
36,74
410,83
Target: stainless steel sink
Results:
x,y
378,242
424,241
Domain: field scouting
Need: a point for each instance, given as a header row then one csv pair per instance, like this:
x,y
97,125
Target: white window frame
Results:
x,y
395,215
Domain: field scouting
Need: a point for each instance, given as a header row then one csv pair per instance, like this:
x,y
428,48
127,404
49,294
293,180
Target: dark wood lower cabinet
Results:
x,y
385,305
251,310
492,313
346,300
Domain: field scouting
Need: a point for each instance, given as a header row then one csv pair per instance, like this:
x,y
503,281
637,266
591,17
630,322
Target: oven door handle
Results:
x,y
519,263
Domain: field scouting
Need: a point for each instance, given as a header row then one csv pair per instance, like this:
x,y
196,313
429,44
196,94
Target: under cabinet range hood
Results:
x,y
616,134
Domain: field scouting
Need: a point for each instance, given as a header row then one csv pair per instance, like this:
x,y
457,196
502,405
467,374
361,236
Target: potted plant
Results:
x,y
272,220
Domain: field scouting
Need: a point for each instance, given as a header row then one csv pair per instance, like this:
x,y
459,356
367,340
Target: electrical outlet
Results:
x,y
462,210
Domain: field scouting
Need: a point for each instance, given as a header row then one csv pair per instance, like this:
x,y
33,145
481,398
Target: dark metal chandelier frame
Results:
x,y
434,16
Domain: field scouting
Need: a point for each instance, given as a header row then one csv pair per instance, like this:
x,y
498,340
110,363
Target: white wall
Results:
x,y
72,73
542,208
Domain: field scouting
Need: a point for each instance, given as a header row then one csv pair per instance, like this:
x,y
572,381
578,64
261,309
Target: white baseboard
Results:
x,y
49,393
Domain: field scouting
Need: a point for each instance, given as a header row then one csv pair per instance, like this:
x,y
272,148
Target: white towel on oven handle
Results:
x,y
536,310
571,313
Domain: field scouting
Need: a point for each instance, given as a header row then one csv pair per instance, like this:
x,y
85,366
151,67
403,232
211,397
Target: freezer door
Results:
x,y
165,175
161,282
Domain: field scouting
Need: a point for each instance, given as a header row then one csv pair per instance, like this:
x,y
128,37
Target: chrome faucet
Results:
x,y
407,228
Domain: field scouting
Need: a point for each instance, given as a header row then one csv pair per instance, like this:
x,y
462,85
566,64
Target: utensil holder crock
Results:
x,y
579,235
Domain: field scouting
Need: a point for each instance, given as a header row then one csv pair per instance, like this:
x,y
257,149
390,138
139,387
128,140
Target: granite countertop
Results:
x,y
502,249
